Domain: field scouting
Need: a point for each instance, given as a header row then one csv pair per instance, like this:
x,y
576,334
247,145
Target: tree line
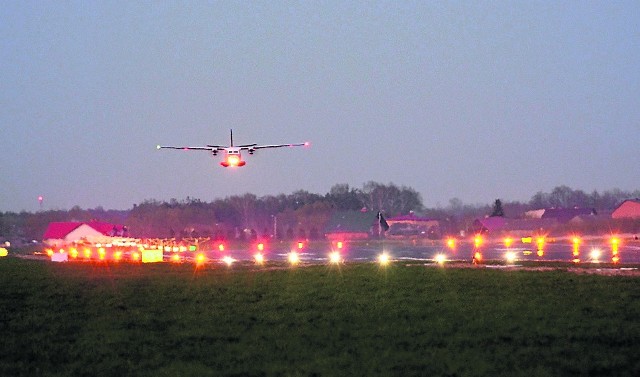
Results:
x,y
301,214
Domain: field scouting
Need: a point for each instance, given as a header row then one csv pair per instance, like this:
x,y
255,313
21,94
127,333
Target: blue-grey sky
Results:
x,y
470,99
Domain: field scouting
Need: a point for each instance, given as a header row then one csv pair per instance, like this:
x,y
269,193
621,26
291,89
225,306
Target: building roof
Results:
x,y
564,215
629,208
351,222
409,217
632,201
59,230
501,224
493,223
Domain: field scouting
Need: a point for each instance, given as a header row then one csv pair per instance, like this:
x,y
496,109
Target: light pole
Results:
x,y
275,226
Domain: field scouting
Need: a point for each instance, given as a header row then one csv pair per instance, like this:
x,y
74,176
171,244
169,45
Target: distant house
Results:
x,y
63,233
629,209
413,226
564,215
350,225
534,214
516,227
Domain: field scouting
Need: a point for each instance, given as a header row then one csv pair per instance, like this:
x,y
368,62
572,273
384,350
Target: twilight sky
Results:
x,y
474,100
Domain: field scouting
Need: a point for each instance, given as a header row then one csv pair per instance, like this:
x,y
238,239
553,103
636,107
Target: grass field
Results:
x,y
86,319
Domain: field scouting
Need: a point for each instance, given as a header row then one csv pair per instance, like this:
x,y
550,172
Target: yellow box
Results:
x,y
151,256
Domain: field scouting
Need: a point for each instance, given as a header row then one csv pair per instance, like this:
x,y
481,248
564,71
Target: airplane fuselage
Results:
x,y
232,158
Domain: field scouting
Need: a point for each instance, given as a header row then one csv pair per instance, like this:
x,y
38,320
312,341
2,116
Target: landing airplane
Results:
x,y
232,156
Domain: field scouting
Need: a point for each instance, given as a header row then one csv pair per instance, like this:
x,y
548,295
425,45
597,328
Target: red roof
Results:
x,y
59,230
104,228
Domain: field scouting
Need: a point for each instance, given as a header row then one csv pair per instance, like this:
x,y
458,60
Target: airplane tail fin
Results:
x,y
231,131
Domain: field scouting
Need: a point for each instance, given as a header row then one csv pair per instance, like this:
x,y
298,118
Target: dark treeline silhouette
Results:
x,y
300,214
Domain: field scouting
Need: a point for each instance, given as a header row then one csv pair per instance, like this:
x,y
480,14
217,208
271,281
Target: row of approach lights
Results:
x,y
511,256
335,256
143,254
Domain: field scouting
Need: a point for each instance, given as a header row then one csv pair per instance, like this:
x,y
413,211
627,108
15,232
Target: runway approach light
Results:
x,y
383,259
440,259
510,256
335,258
200,259
508,241
615,243
576,246
228,260
293,258
595,255
258,258
221,247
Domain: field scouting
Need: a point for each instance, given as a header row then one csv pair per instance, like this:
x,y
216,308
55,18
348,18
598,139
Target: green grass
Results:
x,y
87,319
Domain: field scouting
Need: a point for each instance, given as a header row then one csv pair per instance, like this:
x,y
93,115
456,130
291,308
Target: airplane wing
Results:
x,y
276,146
207,148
